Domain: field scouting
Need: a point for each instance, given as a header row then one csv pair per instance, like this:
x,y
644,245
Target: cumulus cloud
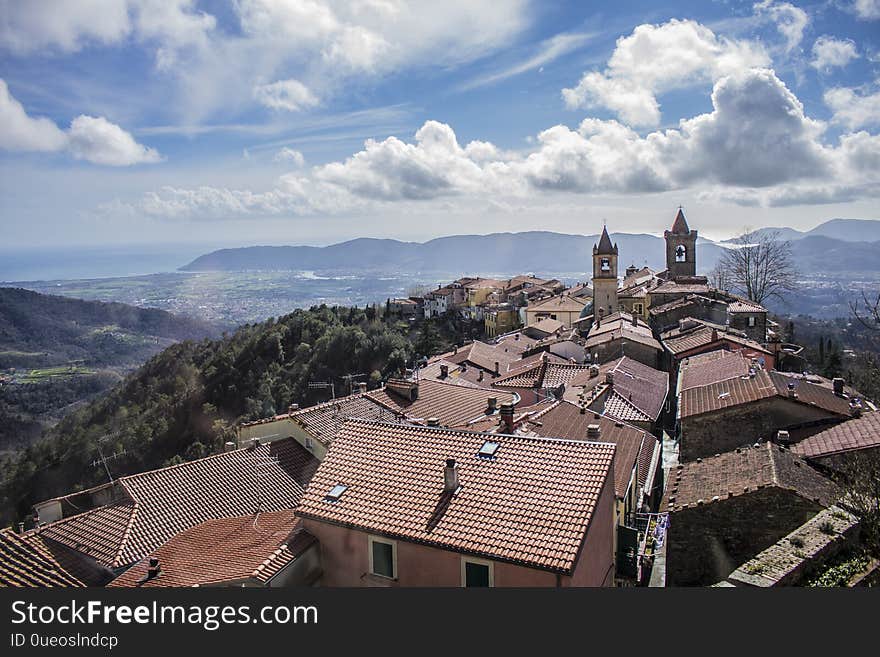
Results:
x,y
852,109
20,132
94,139
790,20
867,9
289,95
658,58
290,156
829,53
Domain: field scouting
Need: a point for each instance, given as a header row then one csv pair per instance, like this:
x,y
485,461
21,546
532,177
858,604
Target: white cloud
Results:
x,y
658,58
94,139
829,53
867,9
790,21
852,109
290,95
290,156
20,132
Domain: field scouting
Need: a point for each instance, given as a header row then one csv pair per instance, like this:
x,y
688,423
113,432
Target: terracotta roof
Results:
x,y
721,366
516,342
26,562
857,433
565,420
680,225
323,420
678,342
673,287
604,247
530,504
161,503
742,471
253,547
619,326
561,302
637,385
433,371
453,405
547,325
484,356
541,374
745,306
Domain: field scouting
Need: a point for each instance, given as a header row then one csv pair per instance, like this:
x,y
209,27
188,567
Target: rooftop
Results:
x,y
156,505
743,471
701,333
637,384
559,303
718,366
28,561
529,504
324,420
252,547
857,433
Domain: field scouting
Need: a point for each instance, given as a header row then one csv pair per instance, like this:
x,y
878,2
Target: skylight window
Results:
x,y
488,450
724,395
336,492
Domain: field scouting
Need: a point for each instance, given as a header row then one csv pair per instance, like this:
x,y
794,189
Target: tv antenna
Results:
x,y
351,378
102,458
314,385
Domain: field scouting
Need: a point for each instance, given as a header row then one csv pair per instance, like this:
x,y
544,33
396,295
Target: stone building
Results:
x,y
726,509
681,249
604,277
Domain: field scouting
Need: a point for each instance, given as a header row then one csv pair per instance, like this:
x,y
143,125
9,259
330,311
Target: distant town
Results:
x,y
641,428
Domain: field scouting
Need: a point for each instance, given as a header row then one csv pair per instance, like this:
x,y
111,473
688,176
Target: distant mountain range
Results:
x,y
540,252
845,230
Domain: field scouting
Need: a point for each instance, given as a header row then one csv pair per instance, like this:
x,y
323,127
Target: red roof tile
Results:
x,y
720,366
254,547
26,561
531,504
636,384
858,433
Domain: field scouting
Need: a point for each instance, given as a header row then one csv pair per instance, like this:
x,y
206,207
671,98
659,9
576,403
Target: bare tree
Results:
x,y
867,311
759,266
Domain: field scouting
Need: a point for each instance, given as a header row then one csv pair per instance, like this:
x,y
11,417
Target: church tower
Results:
x,y
681,249
604,277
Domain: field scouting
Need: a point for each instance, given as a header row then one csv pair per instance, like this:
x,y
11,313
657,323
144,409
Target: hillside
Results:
x,y
845,230
183,403
56,352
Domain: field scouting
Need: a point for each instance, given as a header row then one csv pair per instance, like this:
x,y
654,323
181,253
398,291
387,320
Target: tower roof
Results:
x,y
680,225
605,246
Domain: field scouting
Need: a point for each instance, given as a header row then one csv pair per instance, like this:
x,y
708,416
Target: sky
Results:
x,y
239,122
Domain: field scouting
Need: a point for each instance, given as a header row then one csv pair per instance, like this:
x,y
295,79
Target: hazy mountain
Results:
x,y
847,230
498,253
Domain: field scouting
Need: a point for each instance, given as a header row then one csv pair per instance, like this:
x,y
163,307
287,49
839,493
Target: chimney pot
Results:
x,y
444,371
593,430
229,446
293,408
783,437
493,405
362,387
609,378
433,422
450,476
497,368
507,412
838,384
594,371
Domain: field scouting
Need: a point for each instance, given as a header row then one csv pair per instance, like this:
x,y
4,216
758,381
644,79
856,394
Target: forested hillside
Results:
x,y
184,402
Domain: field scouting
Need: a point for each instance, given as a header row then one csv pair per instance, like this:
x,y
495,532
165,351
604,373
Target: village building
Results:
x,y
605,281
397,505
410,308
26,560
540,376
263,549
563,308
856,441
624,389
149,508
693,337
725,509
500,318
621,334
739,403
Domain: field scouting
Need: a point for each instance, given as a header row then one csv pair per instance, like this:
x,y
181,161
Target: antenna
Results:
x,y
262,465
324,384
350,378
102,459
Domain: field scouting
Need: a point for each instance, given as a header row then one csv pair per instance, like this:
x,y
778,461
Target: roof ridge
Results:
x,y
327,403
123,543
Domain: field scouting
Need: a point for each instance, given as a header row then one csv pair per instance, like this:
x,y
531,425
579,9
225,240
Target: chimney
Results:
x,y
855,408
293,408
594,371
152,571
838,384
463,366
635,319
497,368
593,431
516,337
229,446
493,405
507,409
714,335
255,442
444,371
21,528
404,387
433,421
450,476
609,378
782,437
362,387
480,377
792,390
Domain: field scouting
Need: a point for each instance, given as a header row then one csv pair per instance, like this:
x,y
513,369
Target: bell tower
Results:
x,y
681,248
604,277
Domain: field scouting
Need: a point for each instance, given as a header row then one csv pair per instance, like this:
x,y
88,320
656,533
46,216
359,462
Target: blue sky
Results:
x,y
311,121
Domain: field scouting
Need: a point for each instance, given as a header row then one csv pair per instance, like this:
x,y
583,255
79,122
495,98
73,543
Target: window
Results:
x,y
383,557
638,308
476,572
751,320
605,264
680,253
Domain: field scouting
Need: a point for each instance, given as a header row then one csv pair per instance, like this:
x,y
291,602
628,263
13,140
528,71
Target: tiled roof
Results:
x,y
484,356
516,343
453,405
680,225
161,503
565,420
26,562
857,433
673,287
561,302
721,366
619,326
677,342
604,246
812,394
744,470
530,504
324,420
547,325
541,374
636,384
225,550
